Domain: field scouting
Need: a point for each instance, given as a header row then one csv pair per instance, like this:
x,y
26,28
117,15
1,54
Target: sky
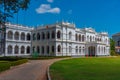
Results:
x,y
102,15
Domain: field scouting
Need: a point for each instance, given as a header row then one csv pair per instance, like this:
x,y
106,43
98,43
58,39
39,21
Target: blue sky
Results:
x,y
103,15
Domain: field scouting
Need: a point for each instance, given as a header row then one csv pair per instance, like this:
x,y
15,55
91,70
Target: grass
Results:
x,y
86,69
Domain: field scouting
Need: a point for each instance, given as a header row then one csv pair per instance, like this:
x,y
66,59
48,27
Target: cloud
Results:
x,y
46,8
69,11
51,1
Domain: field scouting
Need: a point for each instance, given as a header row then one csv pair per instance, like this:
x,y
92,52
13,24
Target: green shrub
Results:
x,y
14,63
4,65
112,53
10,58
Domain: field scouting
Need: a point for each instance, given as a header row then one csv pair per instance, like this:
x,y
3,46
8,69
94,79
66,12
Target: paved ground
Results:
x,y
33,70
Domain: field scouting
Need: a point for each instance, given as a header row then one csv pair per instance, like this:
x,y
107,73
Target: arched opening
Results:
x,y
80,50
16,49
28,37
76,49
104,50
9,49
38,49
28,50
53,35
48,35
70,35
33,49
48,50
38,36
34,36
58,34
83,38
43,35
22,49
53,49
91,51
22,36
42,49
10,35
70,49
83,50
76,37
90,38
59,48
79,37
16,36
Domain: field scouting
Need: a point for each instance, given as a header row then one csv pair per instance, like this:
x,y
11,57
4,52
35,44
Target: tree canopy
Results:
x,y
9,7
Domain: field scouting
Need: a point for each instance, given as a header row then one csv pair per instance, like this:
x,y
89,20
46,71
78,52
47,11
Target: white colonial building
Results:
x,y
18,40
64,39
60,39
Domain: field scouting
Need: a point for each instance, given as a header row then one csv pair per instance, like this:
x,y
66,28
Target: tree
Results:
x,y
9,7
112,47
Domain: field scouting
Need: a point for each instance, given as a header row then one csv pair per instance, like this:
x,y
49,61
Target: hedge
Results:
x,y
4,66
14,63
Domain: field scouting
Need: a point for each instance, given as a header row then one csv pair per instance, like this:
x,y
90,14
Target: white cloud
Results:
x,y
46,8
50,1
69,11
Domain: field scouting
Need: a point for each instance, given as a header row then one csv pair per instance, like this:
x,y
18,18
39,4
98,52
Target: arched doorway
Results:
x,y
91,51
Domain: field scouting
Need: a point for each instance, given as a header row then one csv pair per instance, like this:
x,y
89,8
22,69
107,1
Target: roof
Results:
x,y
117,34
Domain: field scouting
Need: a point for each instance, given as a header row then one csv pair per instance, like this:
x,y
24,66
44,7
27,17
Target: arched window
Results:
x,y
16,49
38,36
58,34
16,36
43,35
34,36
33,49
76,37
48,50
9,49
10,35
28,37
104,50
59,48
53,49
79,37
22,36
87,38
42,49
70,35
38,49
76,49
70,49
22,49
80,50
90,38
53,35
83,38
99,49
28,50
48,35
83,49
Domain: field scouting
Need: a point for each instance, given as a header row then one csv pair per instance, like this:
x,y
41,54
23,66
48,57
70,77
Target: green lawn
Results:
x,y
86,69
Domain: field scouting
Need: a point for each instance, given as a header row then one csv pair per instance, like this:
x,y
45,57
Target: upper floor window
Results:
x,y
76,37
48,35
22,36
58,34
28,37
38,36
79,37
43,35
53,34
70,35
83,38
34,36
10,35
16,35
